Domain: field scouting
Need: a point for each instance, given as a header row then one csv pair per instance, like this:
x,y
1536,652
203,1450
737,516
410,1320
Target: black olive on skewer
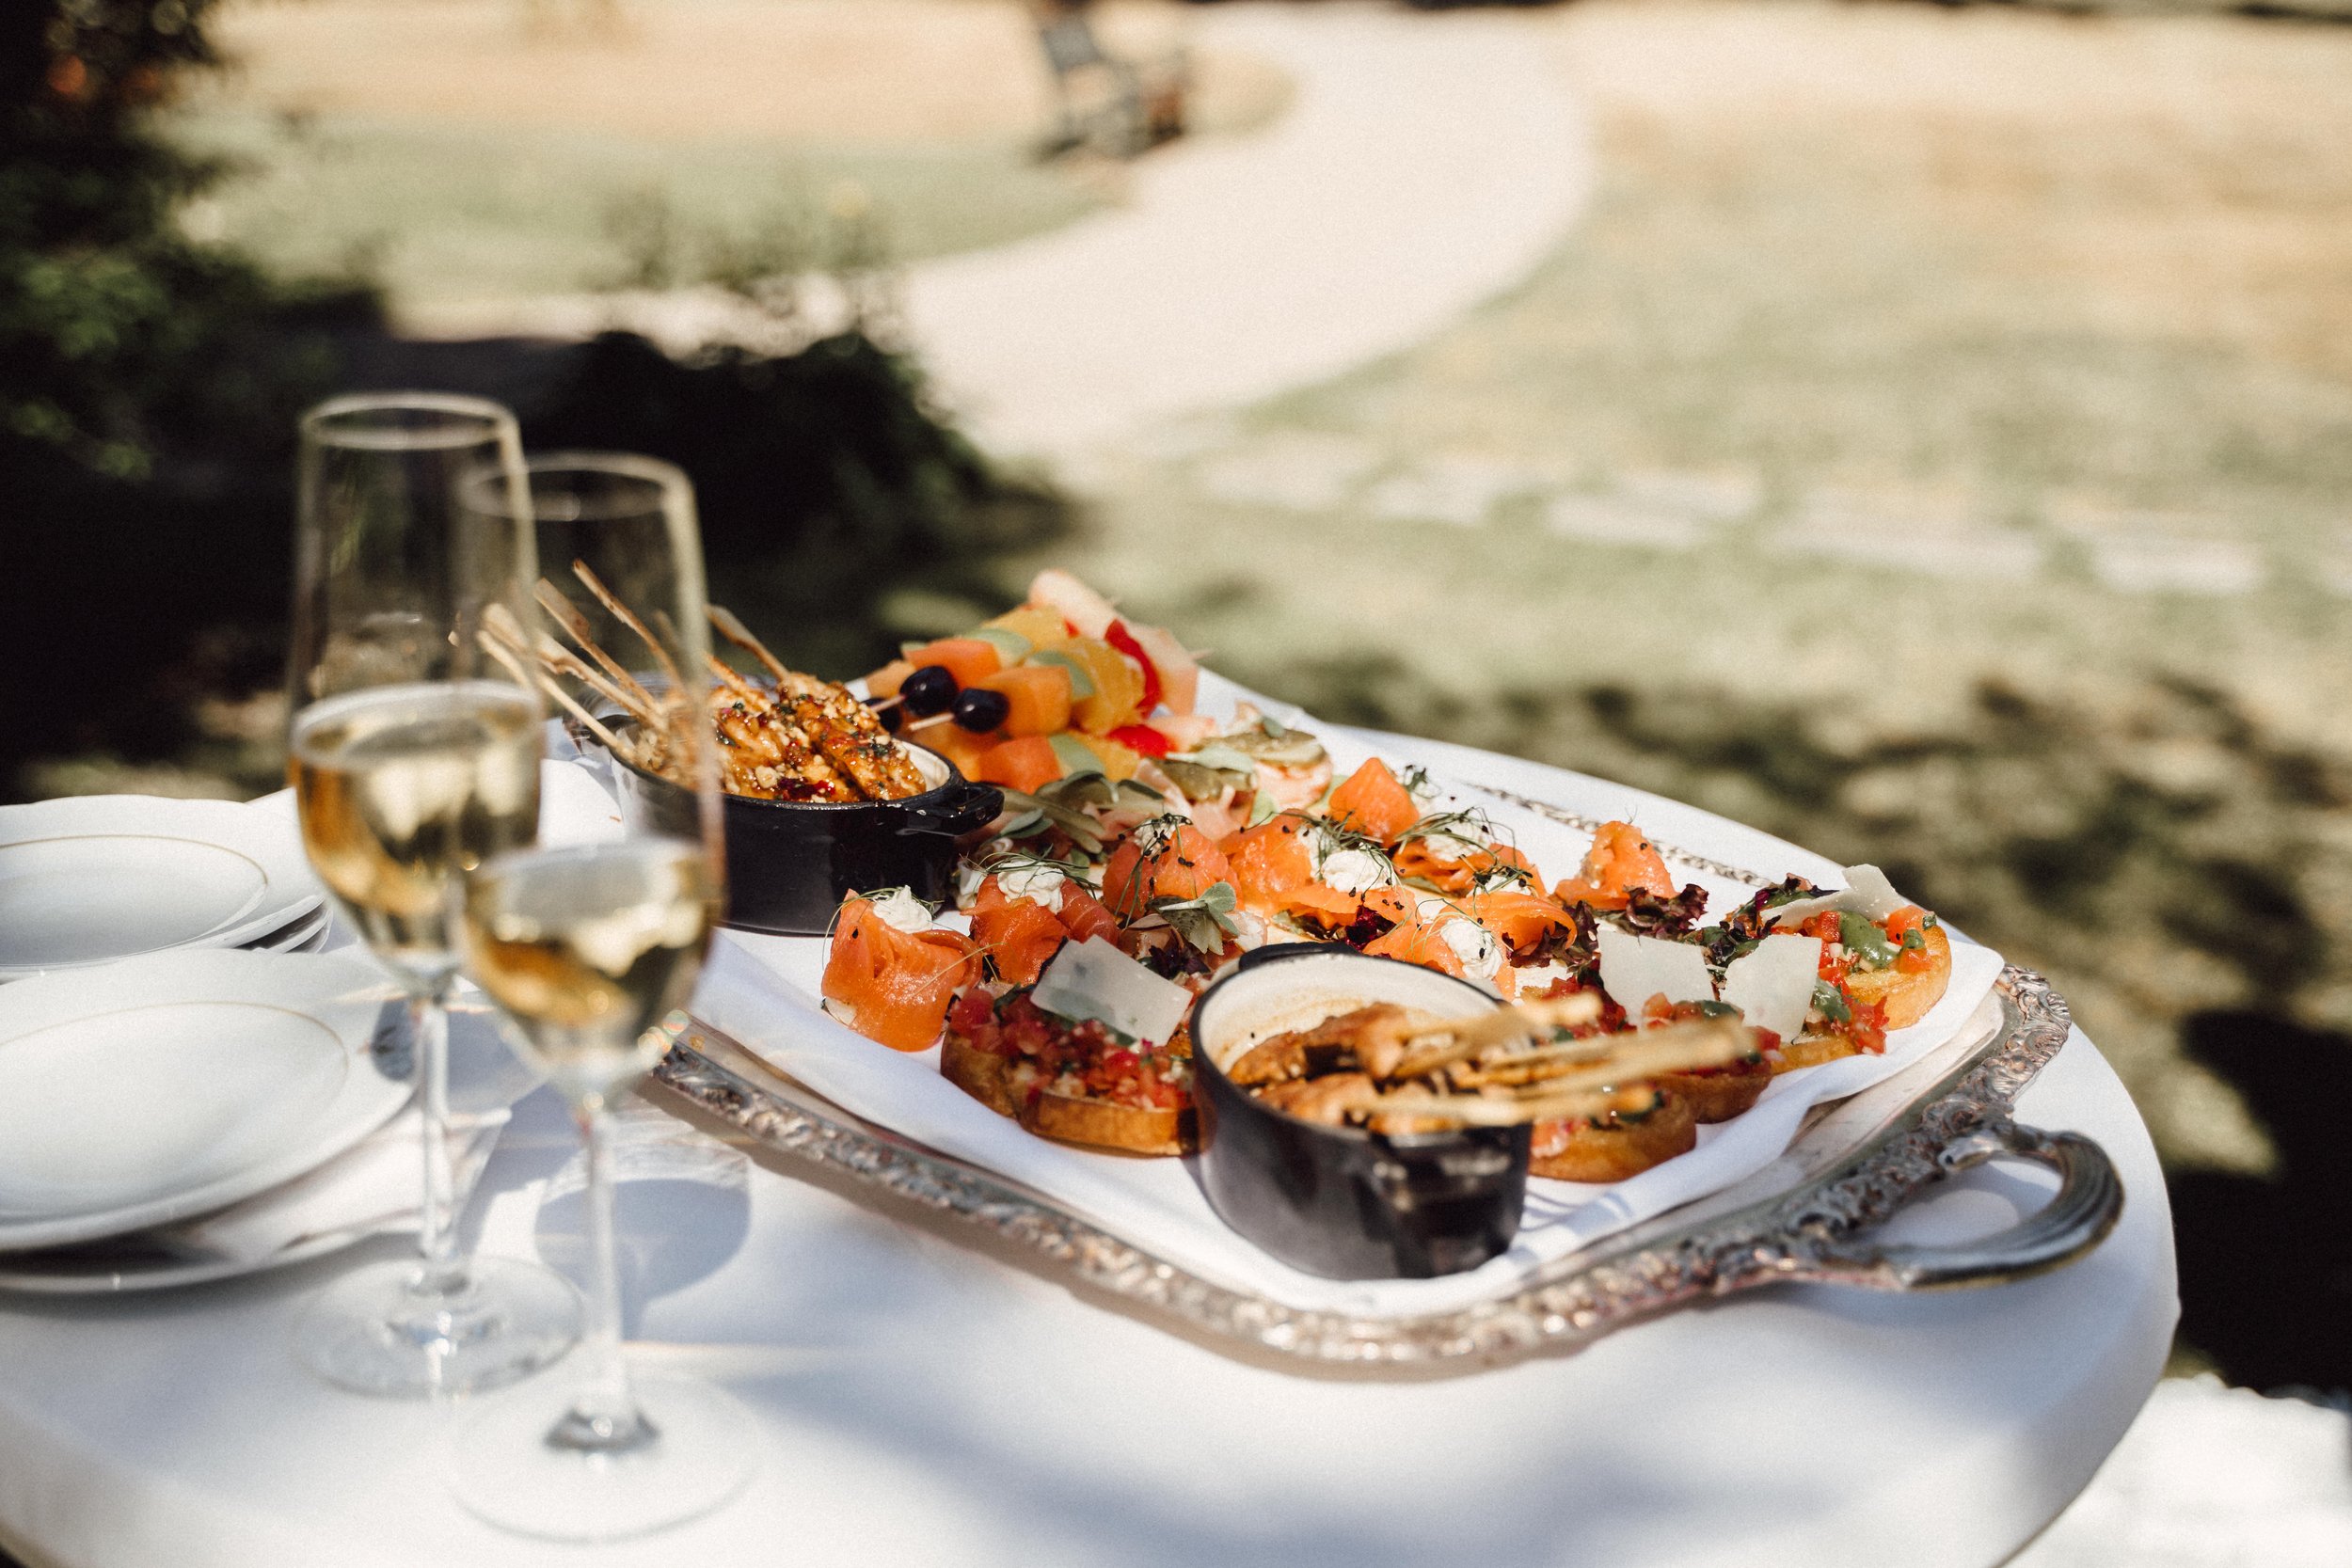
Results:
x,y
981,710
929,690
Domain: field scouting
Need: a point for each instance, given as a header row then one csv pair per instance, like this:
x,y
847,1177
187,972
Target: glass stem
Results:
x,y
444,1273
604,1418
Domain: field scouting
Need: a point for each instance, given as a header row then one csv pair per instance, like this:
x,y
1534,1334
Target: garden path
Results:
x,y
1425,164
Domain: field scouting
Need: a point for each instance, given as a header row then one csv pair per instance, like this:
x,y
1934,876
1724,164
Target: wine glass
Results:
x,y
415,755
612,513
591,951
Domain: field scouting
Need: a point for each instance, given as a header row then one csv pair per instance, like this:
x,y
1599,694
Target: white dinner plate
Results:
x,y
91,878
96,1273
171,1085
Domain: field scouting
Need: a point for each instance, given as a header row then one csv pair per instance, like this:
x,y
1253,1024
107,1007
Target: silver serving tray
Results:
x,y
1852,1166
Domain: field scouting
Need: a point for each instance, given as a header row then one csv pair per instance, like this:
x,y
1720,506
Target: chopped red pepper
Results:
x,y
1141,737
1119,637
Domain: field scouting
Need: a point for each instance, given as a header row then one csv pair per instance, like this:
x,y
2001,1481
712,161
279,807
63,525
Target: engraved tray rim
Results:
x,y
1952,1117
1805,1233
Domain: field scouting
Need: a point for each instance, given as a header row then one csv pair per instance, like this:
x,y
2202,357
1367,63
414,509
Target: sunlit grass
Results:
x,y
441,213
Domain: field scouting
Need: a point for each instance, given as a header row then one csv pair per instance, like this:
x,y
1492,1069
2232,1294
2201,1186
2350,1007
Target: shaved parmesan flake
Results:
x,y
1866,893
1534,978
1634,969
1092,979
1772,984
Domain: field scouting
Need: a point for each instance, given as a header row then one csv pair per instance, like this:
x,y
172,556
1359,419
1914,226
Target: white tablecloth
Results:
x,y
925,1402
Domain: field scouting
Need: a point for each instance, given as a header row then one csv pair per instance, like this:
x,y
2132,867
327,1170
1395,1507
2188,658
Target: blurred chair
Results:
x,y
1106,104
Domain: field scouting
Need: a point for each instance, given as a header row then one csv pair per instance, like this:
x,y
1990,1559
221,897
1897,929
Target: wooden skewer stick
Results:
x,y
735,631
628,617
557,657
1707,1042
1472,1036
566,615
499,648
1469,1110
742,689
553,655
1687,1046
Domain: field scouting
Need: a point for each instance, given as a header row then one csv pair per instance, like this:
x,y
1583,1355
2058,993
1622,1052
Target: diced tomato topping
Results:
x,y
1911,917
1824,925
971,1011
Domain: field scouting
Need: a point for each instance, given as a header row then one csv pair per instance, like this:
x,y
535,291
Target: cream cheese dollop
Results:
x,y
1480,955
1043,884
901,911
1356,871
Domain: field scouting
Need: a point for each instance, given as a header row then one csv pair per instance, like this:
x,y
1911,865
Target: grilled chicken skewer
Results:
x,y
763,752
1486,1075
807,741
843,728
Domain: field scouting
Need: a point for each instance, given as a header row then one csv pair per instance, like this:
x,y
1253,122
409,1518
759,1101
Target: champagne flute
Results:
x,y
415,757
591,951
612,513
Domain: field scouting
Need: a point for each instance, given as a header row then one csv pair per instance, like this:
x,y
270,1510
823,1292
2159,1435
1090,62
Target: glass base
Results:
x,y
514,1461
373,1332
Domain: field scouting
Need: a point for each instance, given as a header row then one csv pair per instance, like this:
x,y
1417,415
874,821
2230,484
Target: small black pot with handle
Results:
x,y
1341,1202
790,862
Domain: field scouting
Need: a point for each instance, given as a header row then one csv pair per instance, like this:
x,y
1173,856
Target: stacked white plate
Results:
x,y
171,1086
91,878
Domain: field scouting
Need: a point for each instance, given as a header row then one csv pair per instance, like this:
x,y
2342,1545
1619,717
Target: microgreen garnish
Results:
x,y
1204,922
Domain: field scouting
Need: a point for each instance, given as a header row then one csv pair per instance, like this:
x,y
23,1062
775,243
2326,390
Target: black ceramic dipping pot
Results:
x,y
1338,1201
790,862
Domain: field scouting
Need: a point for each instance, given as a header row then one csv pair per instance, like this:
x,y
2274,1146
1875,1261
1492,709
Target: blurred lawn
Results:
x,y
469,151
441,213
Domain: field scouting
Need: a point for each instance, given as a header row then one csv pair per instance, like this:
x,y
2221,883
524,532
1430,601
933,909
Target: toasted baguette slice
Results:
x,y
976,1072
1811,1050
1907,995
1718,1096
1101,1124
1612,1153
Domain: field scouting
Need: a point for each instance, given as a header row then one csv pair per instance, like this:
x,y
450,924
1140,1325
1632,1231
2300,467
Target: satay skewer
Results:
x,y
1464,1039
1638,1056
734,630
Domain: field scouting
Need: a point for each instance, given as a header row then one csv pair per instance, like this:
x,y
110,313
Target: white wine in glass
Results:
x,y
587,948
400,787
415,757
591,951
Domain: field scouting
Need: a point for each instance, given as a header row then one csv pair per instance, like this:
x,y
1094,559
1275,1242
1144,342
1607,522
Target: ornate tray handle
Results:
x,y
2088,1201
